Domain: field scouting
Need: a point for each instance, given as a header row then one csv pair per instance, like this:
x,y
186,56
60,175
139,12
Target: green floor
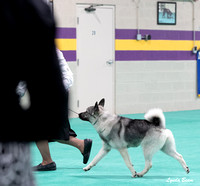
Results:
x,y
111,170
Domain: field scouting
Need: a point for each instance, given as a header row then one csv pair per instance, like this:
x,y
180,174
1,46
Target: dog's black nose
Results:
x,y
83,117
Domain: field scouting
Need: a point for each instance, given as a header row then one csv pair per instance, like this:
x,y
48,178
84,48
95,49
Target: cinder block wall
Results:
x,y
153,77
167,84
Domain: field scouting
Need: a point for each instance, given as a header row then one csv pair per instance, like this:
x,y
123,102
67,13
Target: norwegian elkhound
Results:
x,y
121,133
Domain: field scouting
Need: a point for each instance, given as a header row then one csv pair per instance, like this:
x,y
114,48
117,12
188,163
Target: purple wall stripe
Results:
x,y
65,33
69,55
157,34
70,33
153,55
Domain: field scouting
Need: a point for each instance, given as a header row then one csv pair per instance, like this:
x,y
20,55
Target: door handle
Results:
x,y
109,62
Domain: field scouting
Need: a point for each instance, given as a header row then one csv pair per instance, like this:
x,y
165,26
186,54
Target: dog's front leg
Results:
x,y
125,156
104,150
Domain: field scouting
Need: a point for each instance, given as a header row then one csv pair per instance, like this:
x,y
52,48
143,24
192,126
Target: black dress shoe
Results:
x,y
87,149
48,167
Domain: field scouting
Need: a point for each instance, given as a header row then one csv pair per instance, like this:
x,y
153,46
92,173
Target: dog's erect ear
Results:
x,y
102,102
96,107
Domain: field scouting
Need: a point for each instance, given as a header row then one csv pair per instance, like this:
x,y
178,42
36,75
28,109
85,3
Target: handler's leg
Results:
x,y
75,142
47,163
84,146
43,147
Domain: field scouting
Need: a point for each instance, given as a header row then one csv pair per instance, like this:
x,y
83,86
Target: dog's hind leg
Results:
x,y
170,149
150,146
103,151
125,156
148,154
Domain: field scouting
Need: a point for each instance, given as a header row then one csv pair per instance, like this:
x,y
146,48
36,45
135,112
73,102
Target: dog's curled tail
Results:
x,y
156,117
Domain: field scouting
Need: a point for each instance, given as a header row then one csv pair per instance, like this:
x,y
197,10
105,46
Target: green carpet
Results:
x,y
112,170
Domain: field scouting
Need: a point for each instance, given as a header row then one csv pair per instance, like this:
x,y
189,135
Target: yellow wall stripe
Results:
x,y
66,44
151,45
165,45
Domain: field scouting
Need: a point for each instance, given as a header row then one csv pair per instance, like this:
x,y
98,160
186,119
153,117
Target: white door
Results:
x,y
95,56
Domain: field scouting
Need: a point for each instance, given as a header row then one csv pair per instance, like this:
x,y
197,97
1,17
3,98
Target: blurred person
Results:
x,y
28,54
67,135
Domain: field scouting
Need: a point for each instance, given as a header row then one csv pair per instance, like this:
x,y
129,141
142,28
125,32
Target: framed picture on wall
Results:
x,y
166,13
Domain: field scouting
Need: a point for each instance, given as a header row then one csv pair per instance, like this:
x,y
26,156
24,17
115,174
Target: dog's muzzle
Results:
x,y
83,116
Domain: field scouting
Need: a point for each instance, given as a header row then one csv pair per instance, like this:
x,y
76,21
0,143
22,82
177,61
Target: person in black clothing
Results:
x,y
67,135
28,54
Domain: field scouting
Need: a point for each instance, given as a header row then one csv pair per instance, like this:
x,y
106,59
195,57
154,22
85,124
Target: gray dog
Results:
x,y
121,133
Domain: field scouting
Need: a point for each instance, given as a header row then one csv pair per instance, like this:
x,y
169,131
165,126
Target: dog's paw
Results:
x,y
134,175
140,175
87,168
187,170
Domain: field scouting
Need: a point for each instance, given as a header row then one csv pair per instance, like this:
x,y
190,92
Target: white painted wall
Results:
x,y
126,17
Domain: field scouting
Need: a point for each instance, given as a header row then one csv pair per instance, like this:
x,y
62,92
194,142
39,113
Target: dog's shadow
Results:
x,y
115,176
159,177
66,168
111,176
103,176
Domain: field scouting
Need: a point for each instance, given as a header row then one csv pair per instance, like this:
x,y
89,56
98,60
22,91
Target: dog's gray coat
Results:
x,y
121,133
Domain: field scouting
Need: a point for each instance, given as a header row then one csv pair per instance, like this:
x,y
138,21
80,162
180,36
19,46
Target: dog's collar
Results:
x,y
102,130
96,120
